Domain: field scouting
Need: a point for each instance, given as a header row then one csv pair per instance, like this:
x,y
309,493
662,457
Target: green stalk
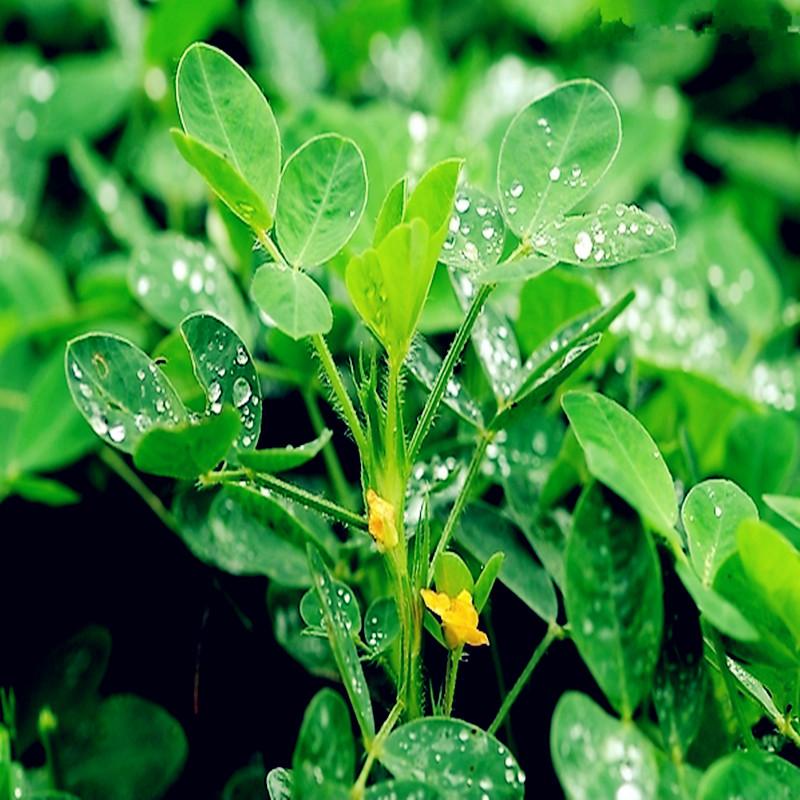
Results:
x,y
374,750
461,500
453,659
446,371
553,632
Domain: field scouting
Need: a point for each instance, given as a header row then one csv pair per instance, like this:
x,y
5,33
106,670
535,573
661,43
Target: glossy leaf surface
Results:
x,y
280,459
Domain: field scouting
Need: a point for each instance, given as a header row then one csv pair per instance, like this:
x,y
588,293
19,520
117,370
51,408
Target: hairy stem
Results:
x,y
453,659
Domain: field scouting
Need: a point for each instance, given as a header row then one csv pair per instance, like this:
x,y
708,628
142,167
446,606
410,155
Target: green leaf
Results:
x,y
134,751
40,490
754,775
621,454
711,515
292,300
224,368
787,507
554,152
605,238
219,531
323,192
483,531
225,180
173,26
221,106
279,784
381,624
458,759
119,390
476,233
773,564
483,586
313,613
388,285
715,607
188,450
325,752
613,598
172,276
280,459
451,574
521,270
392,210
401,790
344,650
596,756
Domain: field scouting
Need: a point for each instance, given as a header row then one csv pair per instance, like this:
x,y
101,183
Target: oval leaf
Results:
x,y
322,196
292,300
221,106
280,459
119,390
554,152
381,624
613,599
476,232
460,760
621,454
754,775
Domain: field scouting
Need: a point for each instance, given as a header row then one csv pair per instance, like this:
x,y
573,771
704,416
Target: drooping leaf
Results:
x,y
324,756
224,368
119,390
596,756
458,759
280,459
292,300
621,454
221,107
711,514
604,238
322,195
344,650
613,598
554,151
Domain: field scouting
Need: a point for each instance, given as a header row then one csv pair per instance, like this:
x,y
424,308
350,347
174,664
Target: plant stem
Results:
x,y
288,490
446,371
374,750
114,461
461,500
553,632
498,671
453,658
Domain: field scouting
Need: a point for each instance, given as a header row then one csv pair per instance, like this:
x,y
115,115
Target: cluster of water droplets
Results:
x,y
476,232
602,240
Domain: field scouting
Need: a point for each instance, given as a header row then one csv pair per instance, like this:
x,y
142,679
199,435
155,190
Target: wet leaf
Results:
x,y
313,613
458,759
607,237
476,232
221,107
119,390
325,753
711,515
381,624
279,784
554,151
401,790
172,276
280,459
224,368
753,774
322,195
621,454
344,650
596,756
292,300
613,598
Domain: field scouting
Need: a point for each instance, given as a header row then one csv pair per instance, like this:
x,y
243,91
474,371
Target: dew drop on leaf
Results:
x,y
583,245
555,173
117,433
241,392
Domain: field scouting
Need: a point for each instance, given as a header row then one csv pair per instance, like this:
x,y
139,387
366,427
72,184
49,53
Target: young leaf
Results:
x,y
119,390
225,370
392,210
754,774
381,624
172,276
292,300
458,759
325,751
342,645
596,756
225,180
313,613
554,152
613,598
280,459
188,450
711,515
485,582
605,238
221,107
476,233
322,195
621,454
451,574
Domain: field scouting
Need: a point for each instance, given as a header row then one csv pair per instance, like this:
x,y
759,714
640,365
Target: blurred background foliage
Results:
x,y
706,356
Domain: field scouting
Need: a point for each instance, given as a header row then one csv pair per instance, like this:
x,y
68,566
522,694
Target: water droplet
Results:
x,y
648,229
462,203
620,209
76,371
180,269
214,392
43,84
488,230
107,196
117,433
143,286
583,245
541,122
512,208
25,125
241,392
555,174
576,171
717,511
196,283
241,356
516,189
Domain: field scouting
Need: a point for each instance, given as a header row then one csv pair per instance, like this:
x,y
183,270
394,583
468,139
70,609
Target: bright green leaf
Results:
x,y
401,790
451,574
280,459
483,586
754,775
392,210
476,232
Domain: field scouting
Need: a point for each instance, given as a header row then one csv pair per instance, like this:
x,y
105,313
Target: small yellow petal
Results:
x,y
458,615
382,521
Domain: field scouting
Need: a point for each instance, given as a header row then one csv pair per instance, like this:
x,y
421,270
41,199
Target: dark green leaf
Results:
x,y
313,613
402,790
381,624
280,459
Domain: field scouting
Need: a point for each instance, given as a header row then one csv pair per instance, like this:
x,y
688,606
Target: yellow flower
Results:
x,y
382,521
458,615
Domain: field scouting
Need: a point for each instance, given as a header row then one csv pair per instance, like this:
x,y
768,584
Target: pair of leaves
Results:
x,y
132,405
